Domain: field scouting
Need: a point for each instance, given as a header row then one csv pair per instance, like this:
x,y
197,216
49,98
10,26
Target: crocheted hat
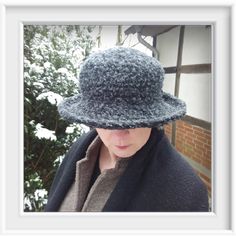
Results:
x,y
121,88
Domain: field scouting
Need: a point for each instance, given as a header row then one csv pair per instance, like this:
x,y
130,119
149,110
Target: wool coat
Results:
x,y
156,179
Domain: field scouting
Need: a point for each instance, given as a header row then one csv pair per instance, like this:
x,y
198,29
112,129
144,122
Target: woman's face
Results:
x,y
124,142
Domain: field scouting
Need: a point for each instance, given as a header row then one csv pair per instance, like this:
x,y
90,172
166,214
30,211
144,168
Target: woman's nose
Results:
x,y
120,132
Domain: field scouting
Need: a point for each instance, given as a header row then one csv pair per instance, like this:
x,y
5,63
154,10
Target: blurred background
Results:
x,y
52,59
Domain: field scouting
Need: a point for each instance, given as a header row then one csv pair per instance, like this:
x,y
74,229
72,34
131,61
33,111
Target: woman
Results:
x,y
125,163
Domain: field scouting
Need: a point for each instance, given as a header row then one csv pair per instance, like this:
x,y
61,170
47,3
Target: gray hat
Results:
x,y
121,88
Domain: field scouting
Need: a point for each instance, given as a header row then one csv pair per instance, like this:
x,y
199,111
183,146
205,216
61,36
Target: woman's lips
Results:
x,y
122,147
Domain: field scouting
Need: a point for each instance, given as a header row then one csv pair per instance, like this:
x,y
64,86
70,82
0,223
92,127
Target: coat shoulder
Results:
x,y
175,184
66,172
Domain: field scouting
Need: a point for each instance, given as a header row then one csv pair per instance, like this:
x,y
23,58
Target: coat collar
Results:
x,y
65,175
126,186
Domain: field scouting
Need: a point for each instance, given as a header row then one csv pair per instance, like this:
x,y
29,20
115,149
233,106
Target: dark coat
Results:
x,y
157,179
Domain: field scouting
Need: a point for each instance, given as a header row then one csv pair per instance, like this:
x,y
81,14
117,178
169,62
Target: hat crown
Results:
x,y
121,88
121,75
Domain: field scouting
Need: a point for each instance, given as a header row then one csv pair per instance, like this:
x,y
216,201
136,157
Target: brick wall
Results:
x,y
194,143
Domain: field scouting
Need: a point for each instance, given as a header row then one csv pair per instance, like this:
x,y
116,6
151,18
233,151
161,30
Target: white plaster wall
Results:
x,y
197,45
195,89
109,37
169,83
167,45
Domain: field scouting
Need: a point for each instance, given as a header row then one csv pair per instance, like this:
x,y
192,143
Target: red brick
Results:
x,y
196,132
199,143
198,155
209,141
207,132
207,164
205,178
198,152
189,136
207,147
208,154
180,137
188,130
180,124
200,138
199,129
190,142
198,160
180,132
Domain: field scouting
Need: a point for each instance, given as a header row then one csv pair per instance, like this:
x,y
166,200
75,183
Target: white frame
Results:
x,y
13,220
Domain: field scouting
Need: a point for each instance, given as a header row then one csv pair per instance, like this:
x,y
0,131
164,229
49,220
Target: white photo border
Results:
x,y
13,221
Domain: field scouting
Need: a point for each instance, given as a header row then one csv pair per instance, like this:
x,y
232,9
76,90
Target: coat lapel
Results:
x,y
131,178
65,175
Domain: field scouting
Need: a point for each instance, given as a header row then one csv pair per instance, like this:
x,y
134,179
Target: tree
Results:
x,y
52,58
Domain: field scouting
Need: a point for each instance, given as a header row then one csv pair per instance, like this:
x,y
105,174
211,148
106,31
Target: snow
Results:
x,y
58,159
85,128
38,57
71,128
63,71
69,76
36,69
73,78
32,122
40,193
28,203
37,84
26,75
52,97
46,65
26,63
44,133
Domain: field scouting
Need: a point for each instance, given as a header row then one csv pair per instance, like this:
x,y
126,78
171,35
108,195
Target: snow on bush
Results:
x,y
43,133
58,160
74,127
52,97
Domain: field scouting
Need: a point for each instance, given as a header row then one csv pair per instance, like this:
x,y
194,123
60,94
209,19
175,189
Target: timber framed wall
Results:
x,y
191,136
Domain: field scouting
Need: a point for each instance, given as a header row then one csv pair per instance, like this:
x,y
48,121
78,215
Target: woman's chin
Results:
x,y
123,153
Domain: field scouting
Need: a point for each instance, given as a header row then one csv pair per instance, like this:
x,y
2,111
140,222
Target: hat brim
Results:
x,y
75,109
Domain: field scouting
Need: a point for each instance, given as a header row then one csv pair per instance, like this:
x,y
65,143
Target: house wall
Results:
x,y
192,141
195,89
109,38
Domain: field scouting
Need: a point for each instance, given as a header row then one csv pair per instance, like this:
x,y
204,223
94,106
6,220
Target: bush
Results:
x,y
52,57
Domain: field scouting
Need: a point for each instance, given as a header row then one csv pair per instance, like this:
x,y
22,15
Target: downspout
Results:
x,y
145,43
